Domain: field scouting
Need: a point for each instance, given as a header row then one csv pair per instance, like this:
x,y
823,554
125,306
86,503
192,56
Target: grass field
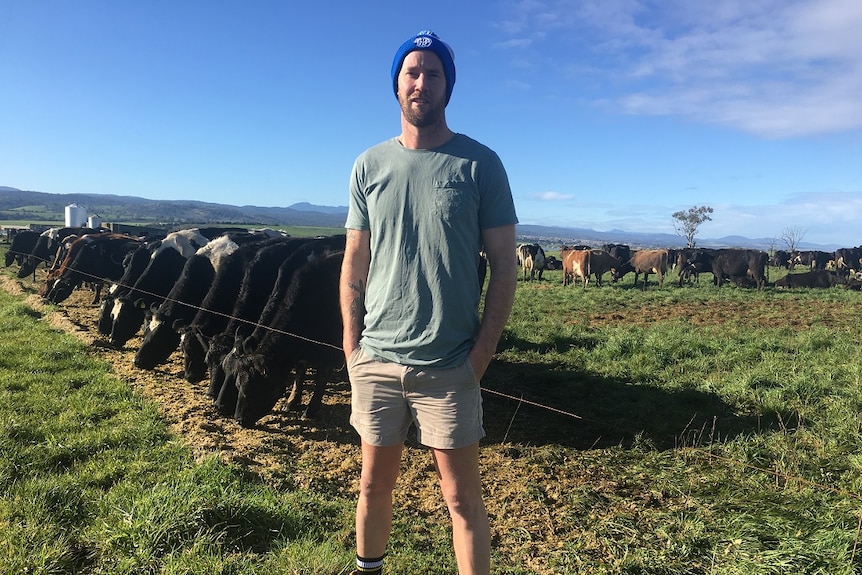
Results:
x,y
681,430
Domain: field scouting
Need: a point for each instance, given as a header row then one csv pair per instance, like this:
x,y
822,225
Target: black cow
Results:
x,y
734,264
740,263
811,279
181,304
693,262
22,245
780,259
155,282
620,251
92,258
235,296
306,331
222,375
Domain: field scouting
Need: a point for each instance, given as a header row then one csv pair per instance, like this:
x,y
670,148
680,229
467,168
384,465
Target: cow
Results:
x,y
222,377
693,262
22,245
812,259
45,249
644,262
602,262
531,257
620,251
740,263
847,259
160,338
134,264
92,258
811,279
155,282
232,299
735,264
780,259
576,264
306,331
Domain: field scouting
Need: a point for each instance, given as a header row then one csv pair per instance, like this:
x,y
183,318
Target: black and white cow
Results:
x,y
134,265
155,282
236,295
306,331
181,304
222,376
531,258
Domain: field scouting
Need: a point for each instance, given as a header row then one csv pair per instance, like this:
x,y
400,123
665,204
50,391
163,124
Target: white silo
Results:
x,y
76,216
94,222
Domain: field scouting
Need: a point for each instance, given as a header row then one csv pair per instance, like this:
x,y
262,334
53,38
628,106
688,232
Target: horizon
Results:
x,y
723,241
606,115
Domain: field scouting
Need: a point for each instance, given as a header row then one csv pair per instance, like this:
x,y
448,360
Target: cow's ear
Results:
x,y
141,304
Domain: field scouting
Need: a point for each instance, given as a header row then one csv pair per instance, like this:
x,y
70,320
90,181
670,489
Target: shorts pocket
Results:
x,y
354,358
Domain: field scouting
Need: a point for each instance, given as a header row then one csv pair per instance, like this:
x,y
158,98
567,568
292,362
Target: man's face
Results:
x,y
422,88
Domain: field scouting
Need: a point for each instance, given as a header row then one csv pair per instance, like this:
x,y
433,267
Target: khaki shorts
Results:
x,y
386,398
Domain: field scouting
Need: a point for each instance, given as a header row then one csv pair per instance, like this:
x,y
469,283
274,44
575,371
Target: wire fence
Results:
x,y
701,452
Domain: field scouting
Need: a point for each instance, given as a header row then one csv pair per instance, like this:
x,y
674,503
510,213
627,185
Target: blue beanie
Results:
x,y
427,40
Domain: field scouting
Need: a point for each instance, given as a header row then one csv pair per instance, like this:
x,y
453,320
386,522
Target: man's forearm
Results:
x,y
354,275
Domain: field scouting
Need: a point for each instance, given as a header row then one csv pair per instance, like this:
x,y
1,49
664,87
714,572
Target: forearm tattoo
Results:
x,y
357,304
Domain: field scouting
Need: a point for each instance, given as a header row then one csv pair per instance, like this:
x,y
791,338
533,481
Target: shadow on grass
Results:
x,y
581,410
587,412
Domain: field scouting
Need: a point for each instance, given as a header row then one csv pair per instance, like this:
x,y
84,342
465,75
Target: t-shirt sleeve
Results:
x,y
357,210
497,206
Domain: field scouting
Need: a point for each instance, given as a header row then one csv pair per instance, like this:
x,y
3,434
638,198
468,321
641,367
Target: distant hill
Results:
x,y
21,205
553,237
16,204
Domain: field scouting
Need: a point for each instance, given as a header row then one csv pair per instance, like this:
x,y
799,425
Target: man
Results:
x,y
422,207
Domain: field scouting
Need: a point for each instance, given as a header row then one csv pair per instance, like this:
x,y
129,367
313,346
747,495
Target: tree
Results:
x,y
686,222
792,237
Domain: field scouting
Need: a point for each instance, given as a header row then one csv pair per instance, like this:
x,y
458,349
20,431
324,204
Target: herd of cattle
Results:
x,y
251,309
254,310
744,267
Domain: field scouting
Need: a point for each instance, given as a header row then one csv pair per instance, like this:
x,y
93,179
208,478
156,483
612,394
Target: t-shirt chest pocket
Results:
x,y
454,200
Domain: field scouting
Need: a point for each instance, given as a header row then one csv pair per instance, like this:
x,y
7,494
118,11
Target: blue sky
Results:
x,y
608,114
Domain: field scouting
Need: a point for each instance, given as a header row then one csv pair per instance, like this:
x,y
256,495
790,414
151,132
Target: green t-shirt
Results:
x,y
425,210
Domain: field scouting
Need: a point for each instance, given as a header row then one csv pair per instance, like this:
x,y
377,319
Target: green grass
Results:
x,y
91,481
696,431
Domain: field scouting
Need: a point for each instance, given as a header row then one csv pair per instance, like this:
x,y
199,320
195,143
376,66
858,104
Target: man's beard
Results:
x,y
422,119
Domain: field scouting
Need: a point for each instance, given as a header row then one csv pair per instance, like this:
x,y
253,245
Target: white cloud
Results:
x,y
775,68
551,196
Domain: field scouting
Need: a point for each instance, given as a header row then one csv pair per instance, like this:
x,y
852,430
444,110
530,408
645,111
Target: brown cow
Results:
x,y
645,262
576,264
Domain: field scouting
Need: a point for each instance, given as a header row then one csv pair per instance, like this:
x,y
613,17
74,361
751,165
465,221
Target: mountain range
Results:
x,y
19,205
